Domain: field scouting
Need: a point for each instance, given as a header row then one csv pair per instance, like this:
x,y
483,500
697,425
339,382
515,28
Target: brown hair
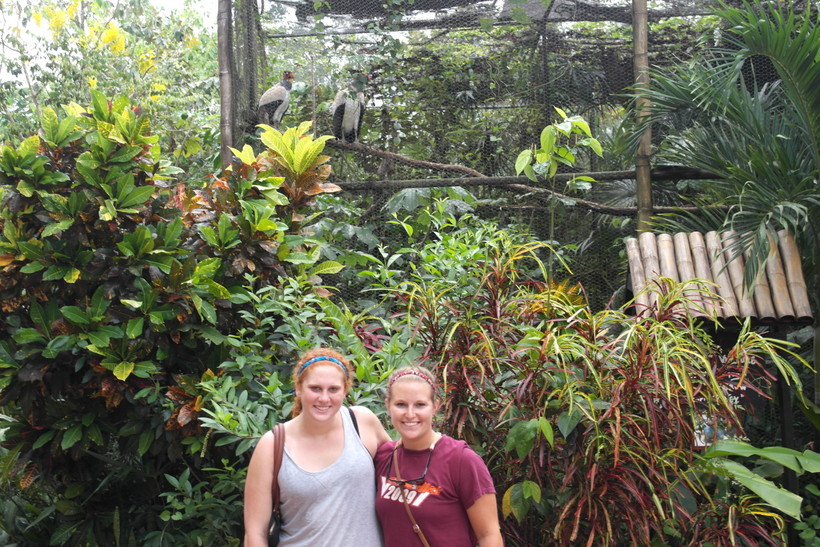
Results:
x,y
415,374
323,356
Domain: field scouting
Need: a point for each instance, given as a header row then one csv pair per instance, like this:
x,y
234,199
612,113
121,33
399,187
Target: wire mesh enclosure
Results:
x,y
458,88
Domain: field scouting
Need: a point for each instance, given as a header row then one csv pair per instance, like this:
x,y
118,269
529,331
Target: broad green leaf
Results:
x,y
521,437
531,490
58,344
769,492
71,437
299,258
32,249
108,211
137,196
326,267
75,315
530,173
30,146
246,156
43,439
134,327
32,267
125,154
582,125
274,196
794,460
595,145
99,303
546,429
523,160
514,503
27,336
99,339
548,138
211,334
567,422
146,438
95,434
38,315
54,273
207,312
57,227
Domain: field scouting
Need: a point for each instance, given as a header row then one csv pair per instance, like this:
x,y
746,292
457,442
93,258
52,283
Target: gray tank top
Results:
x,y
335,506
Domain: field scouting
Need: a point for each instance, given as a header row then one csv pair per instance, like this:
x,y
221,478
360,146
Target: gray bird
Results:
x,y
348,112
275,101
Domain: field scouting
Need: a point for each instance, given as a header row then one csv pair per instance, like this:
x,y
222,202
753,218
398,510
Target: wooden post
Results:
x,y
225,45
640,56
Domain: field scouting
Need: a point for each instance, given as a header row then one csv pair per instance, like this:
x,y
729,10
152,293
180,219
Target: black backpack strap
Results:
x,y
353,417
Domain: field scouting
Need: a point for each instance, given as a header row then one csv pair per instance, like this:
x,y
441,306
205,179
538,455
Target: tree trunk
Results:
x,y
225,46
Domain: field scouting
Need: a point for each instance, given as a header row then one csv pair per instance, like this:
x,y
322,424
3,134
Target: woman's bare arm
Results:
x,y
371,429
483,517
258,494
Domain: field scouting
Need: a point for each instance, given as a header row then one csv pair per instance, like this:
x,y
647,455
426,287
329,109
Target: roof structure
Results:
x,y
717,288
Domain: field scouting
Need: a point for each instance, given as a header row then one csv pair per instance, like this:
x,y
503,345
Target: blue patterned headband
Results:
x,y
322,358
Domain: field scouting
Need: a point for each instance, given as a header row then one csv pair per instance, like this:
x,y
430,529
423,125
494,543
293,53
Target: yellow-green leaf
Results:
x,y
72,275
327,267
523,160
247,155
123,370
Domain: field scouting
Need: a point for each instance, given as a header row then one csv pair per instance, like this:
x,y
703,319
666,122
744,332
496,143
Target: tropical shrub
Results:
x,y
120,295
581,414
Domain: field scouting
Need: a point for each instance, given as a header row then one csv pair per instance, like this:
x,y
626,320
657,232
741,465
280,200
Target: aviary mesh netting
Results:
x,y
456,89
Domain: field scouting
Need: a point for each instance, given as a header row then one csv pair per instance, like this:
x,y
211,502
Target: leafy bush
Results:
x,y
120,296
580,414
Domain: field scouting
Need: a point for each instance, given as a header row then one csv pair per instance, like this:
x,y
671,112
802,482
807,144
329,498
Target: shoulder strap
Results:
x,y
353,418
416,527
278,454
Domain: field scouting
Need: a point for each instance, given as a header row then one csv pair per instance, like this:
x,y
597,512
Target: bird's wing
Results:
x,y
338,119
281,108
361,117
274,93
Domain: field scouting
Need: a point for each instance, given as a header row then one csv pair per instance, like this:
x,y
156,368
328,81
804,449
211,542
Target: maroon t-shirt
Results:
x,y
455,479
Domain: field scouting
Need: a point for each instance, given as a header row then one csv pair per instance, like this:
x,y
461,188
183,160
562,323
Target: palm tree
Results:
x,y
760,138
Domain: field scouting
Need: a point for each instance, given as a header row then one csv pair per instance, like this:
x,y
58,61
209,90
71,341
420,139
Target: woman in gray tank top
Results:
x,y
327,481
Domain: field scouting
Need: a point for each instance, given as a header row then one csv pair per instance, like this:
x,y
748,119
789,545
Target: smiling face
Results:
x,y
411,407
321,390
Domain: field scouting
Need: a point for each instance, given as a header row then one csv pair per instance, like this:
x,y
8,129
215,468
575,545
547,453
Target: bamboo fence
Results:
x,y
714,279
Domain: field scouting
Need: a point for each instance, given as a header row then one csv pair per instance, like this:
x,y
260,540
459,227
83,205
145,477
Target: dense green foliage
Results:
x,y
118,294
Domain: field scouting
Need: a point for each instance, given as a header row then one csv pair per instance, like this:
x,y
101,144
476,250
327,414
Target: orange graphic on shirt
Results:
x,y
425,488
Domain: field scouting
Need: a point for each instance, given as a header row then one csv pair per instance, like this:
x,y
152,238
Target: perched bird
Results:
x,y
275,101
348,112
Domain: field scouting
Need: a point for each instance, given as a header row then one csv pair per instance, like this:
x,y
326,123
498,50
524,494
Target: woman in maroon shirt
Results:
x,y
430,478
